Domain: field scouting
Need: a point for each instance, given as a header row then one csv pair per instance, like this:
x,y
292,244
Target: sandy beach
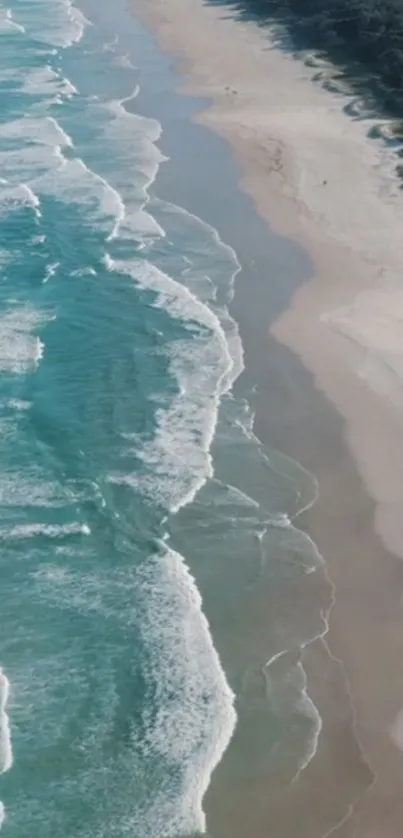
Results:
x,y
316,177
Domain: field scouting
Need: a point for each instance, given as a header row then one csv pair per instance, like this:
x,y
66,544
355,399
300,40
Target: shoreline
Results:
x,y
333,325
272,175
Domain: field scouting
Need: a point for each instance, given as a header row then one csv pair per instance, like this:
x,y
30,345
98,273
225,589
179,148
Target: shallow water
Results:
x,y
140,514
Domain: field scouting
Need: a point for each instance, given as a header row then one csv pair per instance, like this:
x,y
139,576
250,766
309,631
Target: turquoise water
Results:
x,y
130,476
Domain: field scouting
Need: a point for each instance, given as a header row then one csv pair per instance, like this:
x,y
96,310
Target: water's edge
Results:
x,y
227,483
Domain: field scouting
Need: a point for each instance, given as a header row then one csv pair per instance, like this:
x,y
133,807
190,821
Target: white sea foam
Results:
x,y
28,159
6,756
307,708
27,163
87,271
7,22
6,256
288,690
194,717
234,495
17,404
111,45
51,270
56,24
36,150
211,269
14,197
30,489
204,367
134,137
22,531
44,130
78,20
131,140
178,459
205,253
44,81
124,61
75,183
32,199
6,753
5,738
20,347
296,677
87,593
39,160
189,723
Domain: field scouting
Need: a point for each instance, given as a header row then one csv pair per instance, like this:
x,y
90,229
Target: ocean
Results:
x,y
143,524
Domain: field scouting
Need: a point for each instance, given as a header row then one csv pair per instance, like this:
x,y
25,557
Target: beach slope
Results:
x,y
316,176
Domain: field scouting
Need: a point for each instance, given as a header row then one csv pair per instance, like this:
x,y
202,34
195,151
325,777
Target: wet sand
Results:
x,y
289,136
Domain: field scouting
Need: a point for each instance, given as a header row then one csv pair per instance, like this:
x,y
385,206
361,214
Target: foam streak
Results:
x,y
6,754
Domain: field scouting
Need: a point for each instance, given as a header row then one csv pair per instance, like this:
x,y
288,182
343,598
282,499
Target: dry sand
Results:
x,y
316,177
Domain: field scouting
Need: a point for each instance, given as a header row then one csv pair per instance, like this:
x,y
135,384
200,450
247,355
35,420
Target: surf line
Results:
x,y
6,754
